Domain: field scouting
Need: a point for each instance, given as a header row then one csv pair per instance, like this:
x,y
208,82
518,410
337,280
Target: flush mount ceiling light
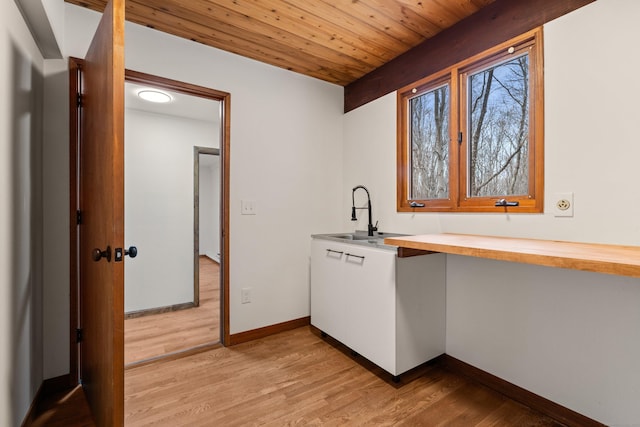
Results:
x,y
154,96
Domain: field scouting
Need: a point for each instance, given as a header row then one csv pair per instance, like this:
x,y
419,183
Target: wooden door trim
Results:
x,y
225,145
196,219
75,67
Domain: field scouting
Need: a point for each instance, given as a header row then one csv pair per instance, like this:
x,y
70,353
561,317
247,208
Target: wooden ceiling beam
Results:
x,y
491,25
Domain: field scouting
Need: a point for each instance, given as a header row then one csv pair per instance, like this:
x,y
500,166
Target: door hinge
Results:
x,y
78,335
78,100
78,217
459,137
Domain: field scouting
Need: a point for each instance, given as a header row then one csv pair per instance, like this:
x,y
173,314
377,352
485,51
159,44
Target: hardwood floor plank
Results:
x,y
64,409
151,336
296,378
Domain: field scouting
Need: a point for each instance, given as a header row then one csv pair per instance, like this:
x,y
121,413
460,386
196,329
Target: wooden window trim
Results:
x,y
458,202
403,160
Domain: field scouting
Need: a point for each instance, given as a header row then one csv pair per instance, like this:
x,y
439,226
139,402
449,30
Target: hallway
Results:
x,y
162,334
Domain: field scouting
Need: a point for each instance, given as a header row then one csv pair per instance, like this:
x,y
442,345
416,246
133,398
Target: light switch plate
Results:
x,y
246,296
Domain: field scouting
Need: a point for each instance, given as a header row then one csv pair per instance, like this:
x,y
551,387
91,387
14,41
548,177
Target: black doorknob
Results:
x,y
97,254
132,251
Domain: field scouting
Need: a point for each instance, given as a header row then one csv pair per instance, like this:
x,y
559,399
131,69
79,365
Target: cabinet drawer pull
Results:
x,y
335,252
355,256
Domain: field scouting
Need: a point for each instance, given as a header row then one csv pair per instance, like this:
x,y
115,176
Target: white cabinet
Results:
x,y
390,310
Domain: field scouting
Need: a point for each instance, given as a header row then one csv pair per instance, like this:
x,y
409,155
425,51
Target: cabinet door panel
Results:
x,y
370,292
328,304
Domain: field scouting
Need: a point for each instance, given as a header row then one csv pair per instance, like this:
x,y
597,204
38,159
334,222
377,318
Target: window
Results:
x,y
470,138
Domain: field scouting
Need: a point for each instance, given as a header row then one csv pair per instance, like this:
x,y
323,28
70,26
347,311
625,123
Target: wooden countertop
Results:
x,y
599,258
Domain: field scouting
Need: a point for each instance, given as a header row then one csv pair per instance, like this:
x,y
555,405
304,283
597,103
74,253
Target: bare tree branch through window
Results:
x,y
430,144
499,127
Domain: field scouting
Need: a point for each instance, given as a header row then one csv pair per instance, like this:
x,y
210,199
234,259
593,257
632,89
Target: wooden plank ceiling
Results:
x,y
337,41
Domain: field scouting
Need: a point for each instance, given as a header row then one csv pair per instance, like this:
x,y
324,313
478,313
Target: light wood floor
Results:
x,y
297,378
62,409
157,335
293,378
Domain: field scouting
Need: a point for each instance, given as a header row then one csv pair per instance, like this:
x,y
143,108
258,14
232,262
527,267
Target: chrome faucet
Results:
x,y
371,228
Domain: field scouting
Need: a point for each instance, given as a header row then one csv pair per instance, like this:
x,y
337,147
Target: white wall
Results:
x,y
569,336
286,140
55,172
54,10
45,19
159,206
21,116
209,216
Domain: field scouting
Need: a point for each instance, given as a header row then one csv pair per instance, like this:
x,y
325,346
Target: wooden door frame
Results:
x,y
75,87
75,84
197,150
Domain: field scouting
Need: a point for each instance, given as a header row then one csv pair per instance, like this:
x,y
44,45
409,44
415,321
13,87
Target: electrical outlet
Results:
x,y
245,295
247,207
563,205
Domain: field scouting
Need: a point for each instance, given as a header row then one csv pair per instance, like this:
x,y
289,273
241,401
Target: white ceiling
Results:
x,y
189,106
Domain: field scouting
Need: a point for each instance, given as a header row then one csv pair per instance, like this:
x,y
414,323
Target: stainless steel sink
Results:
x,y
353,236
361,238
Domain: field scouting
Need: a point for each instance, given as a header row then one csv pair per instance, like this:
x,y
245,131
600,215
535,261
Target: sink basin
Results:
x,y
361,238
354,236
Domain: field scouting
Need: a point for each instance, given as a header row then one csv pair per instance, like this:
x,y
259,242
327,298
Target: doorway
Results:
x,y
163,310
206,213
223,110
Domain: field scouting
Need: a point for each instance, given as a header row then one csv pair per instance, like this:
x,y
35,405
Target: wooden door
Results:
x,y
101,178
